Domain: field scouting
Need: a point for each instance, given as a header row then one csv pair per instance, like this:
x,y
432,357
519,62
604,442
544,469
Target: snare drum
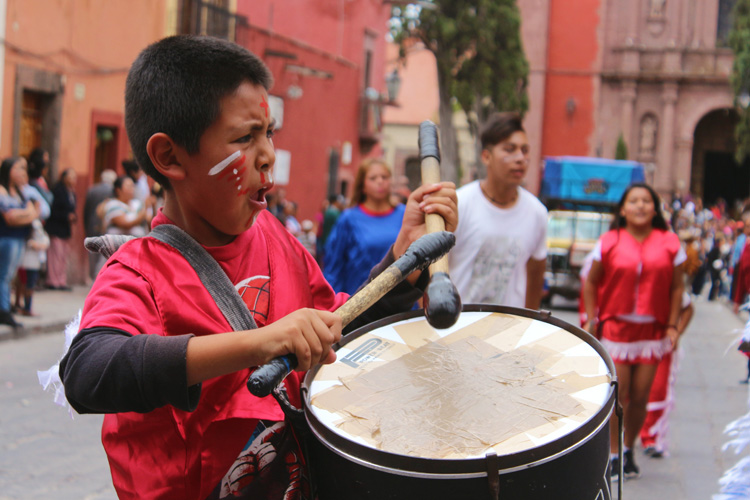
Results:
x,y
506,404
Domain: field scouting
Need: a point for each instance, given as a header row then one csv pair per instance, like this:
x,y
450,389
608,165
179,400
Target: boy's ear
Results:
x,y
485,156
164,154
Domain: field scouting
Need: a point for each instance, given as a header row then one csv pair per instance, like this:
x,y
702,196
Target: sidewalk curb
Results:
x,y
56,309
8,333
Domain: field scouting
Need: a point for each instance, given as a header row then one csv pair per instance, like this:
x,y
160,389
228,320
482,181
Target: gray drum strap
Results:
x,y
211,274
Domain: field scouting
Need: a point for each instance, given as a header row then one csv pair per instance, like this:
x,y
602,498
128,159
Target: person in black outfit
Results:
x,y
59,227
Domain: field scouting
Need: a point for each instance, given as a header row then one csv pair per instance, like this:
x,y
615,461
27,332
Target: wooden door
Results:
x,y
31,122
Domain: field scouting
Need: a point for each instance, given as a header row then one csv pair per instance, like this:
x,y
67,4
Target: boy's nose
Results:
x,y
266,156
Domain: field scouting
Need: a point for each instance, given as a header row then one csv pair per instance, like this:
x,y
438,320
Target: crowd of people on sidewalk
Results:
x,y
37,224
35,229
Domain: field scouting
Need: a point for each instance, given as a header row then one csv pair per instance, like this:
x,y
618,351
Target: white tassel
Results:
x,y
628,351
735,483
50,379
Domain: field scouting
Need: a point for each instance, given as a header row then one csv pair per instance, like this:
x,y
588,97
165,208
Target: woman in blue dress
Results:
x,y
365,231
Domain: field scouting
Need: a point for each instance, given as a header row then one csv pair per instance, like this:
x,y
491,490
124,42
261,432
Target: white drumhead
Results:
x,y
492,382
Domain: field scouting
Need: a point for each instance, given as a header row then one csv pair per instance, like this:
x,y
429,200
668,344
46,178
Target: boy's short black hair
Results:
x,y
175,85
499,127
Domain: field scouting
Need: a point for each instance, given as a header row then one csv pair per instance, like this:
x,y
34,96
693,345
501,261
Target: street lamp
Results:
x,y
744,99
393,85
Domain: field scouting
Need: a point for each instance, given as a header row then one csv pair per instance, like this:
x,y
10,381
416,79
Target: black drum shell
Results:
x,y
575,466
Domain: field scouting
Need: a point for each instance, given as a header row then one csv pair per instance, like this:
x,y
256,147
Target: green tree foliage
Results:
x,y
621,150
480,61
739,41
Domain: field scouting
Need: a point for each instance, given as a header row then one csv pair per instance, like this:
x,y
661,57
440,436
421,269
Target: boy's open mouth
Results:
x,y
260,195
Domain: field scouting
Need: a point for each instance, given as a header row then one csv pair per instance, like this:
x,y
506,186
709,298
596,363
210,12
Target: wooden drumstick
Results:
x,y
418,256
442,303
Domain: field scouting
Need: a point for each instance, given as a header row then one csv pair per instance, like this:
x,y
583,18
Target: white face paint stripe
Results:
x,y
224,163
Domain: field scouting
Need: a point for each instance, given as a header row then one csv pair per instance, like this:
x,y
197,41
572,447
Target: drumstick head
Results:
x,y
442,303
426,250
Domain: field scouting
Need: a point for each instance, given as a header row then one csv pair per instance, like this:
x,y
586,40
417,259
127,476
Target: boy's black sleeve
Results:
x,y
400,299
107,370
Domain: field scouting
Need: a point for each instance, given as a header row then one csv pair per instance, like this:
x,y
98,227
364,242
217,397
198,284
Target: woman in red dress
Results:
x,y
632,295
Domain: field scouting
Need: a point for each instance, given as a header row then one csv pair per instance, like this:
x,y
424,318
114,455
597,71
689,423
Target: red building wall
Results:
x,y
327,37
570,87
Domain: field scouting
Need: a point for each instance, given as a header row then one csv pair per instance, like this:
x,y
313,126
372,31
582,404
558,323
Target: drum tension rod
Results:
x,y
493,475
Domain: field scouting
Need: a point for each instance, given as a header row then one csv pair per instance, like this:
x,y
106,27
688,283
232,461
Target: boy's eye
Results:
x,y
270,133
245,138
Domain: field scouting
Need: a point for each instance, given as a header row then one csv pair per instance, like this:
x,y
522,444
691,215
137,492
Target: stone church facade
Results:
x,y
665,87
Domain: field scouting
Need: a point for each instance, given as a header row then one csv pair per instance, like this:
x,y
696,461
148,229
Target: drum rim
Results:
x,y
411,465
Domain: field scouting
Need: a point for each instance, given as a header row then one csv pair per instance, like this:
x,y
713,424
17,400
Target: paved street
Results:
x,y
708,397
46,454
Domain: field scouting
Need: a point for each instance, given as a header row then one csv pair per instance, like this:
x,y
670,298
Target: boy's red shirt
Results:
x,y
147,287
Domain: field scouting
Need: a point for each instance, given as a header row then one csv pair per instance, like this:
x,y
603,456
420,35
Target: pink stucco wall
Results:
x,y
329,36
92,44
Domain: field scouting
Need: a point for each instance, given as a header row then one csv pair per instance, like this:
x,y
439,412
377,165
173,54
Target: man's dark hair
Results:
x,y
499,127
175,85
131,168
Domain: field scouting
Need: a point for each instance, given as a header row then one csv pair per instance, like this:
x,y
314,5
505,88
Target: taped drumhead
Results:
x,y
495,382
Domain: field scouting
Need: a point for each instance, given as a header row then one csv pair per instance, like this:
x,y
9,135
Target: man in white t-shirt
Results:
x,y
501,247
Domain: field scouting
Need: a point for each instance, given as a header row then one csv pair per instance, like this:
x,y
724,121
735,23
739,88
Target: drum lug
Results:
x,y
545,314
493,475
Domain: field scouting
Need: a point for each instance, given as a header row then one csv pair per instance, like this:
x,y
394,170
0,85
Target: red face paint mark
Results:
x,y
236,163
264,105
262,178
232,167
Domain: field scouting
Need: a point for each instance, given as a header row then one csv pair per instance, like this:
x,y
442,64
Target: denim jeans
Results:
x,y
11,251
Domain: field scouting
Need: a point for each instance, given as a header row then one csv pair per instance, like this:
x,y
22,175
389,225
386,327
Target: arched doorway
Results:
x,y
715,173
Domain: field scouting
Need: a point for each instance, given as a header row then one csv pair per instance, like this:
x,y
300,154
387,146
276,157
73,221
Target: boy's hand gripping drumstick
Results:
x,y
418,256
442,303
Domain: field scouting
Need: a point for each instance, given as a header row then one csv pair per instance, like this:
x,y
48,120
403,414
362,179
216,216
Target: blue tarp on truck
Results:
x,y
583,180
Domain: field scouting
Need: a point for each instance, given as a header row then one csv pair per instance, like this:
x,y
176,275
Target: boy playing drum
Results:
x,y
154,351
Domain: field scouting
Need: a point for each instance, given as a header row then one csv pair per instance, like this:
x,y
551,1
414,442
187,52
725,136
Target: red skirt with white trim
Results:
x,y
635,343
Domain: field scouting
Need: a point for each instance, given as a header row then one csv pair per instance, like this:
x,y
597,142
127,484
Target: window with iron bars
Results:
x,y
209,17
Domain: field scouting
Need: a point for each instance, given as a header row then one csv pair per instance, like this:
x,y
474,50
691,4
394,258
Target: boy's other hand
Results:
x,y
308,334
433,199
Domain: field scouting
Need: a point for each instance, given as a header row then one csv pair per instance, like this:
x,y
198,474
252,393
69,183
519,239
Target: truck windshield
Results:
x,y
560,227
577,226
590,229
